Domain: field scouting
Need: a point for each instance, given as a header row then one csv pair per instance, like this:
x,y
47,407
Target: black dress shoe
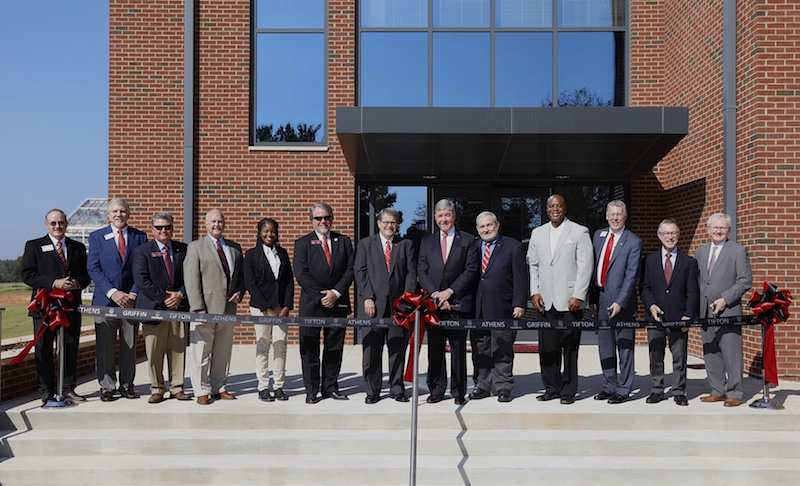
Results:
x,y
434,398
265,396
128,393
546,397
280,395
503,396
568,401
617,398
399,398
72,395
655,397
372,399
107,396
681,400
477,394
311,399
603,395
336,396
460,400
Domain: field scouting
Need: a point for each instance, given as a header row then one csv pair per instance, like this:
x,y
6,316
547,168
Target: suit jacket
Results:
x,y
106,268
41,267
272,293
730,278
506,282
204,277
564,274
622,274
374,281
151,277
458,273
678,298
314,275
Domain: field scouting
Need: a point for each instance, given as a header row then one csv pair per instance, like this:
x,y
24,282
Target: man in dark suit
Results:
x,y
56,262
447,267
385,267
617,252
669,292
502,293
109,264
725,276
323,266
158,274
560,260
214,282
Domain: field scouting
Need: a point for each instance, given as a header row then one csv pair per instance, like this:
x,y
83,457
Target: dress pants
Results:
x,y
333,339
722,351
609,341
493,359
275,335
46,363
396,339
678,346
165,338
437,368
106,331
555,345
210,348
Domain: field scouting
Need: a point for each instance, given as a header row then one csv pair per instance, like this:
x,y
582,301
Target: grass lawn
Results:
x,y
15,297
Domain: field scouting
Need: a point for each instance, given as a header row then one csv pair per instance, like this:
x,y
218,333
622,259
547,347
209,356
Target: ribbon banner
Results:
x,y
53,306
769,308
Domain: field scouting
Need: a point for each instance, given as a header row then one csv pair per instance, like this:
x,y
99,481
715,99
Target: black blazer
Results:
x,y
506,283
681,297
151,278
374,281
459,273
314,275
41,267
273,293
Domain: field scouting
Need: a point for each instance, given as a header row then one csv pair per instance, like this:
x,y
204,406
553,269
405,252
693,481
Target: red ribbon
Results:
x,y
404,308
52,305
770,308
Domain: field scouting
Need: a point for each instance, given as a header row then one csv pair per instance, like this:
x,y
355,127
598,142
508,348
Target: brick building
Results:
x,y
262,108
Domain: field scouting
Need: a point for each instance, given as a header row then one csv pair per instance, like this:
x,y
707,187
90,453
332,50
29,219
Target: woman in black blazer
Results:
x,y
269,280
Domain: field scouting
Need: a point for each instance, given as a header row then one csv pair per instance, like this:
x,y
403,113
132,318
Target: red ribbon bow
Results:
x,y
52,305
770,308
409,302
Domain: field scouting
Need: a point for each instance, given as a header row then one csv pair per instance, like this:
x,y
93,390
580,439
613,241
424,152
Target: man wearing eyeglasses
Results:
x,y
385,268
56,262
323,266
158,274
109,265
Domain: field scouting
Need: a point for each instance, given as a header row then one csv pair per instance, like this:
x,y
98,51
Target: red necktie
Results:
x,y
224,261
606,258
121,245
485,259
387,255
61,256
668,268
168,264
444,247
326,249
713,259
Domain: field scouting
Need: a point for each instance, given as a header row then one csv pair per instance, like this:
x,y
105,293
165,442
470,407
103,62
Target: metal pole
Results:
x,y
412,479
765,402
60,384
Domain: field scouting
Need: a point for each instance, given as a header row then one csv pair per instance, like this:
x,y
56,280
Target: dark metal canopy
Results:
x,y
409,145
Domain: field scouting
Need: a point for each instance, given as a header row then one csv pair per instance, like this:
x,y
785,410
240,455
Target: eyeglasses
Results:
x,y
165,227
322,218
57,223
669,233
389,223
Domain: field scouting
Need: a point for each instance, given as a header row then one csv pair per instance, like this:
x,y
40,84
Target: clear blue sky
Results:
x,y
53,112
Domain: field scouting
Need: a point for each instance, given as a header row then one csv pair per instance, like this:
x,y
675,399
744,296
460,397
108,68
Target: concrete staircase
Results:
x,y
483,442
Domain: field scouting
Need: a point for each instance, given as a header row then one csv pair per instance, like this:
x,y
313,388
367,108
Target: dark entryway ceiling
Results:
x,y
411,145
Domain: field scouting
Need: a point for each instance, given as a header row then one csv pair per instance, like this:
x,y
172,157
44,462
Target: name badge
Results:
x,y
603,234
46,248
316,242
156,254
109,236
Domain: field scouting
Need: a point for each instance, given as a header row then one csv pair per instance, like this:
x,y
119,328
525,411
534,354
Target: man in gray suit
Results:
x,y
724,277
560,260
617,253
214,282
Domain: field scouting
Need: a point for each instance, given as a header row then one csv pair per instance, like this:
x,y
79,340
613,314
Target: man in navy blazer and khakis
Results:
x,y
110,265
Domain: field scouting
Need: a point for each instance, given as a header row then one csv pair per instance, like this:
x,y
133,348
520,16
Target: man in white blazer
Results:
x,y
560,258
725,276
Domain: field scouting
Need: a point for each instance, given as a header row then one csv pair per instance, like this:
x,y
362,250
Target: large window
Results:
x,y
482,53
289,82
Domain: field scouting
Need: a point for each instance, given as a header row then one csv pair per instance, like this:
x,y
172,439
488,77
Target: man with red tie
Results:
x,y
110,266
323,266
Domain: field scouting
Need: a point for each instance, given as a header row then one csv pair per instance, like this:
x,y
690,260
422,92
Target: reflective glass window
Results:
x,y
461,13
588,64
394,69
280,14
591,13
523,69
461,69
524,13
394,13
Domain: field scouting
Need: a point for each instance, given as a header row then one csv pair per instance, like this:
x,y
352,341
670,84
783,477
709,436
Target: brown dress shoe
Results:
x,y
156,398
181,396
226,395
712,398
203,400
732,402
